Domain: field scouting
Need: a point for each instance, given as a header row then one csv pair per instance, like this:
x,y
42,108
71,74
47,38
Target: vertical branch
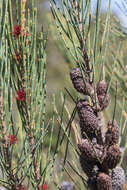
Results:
x,y
2,114
23,15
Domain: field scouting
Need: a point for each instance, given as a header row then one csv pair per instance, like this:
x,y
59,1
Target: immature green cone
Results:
x,y
101,88
77,80
104,182
112,133
113,156
118,178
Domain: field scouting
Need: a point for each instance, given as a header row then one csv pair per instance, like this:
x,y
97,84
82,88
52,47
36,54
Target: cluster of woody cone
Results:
x,y
100,153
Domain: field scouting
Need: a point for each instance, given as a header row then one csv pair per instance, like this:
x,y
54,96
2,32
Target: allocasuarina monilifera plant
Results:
x,y
100,154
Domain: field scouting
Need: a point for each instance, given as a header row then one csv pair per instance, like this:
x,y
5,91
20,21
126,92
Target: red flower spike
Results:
x,y
17,30
45,186
26,34
21,95
21,187
12,139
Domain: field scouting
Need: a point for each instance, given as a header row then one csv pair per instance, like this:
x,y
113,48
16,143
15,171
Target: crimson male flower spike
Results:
x,y
21,187
45,186
12,139
21,95
17,30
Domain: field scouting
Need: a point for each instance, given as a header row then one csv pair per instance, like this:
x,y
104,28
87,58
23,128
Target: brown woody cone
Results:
x,y
89,122
112,133
104,182
118,178
75,73
104,101
113,156
81,104
86,165
87,150
101,88
91,152
88,119
79,84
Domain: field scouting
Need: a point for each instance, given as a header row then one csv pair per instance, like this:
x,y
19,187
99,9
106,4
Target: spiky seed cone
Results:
x,y
91,152
118,178
101,88
86,165
88,119
110,122
104,101
91,135
81,104
99,152
83,133
89,122
99,136
88,130
75,73
113,156
78,82
112,133
83,145
104,182
80,86
87,150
